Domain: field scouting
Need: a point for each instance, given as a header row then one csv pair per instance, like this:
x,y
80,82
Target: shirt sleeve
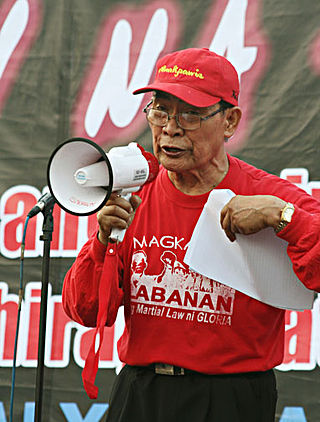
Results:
x,y
80,294
303,237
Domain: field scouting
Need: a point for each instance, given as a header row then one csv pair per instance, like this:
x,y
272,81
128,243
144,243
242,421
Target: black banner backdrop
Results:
x,y
67,68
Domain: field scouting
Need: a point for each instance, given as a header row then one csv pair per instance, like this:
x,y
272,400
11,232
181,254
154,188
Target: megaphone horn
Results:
x,y
81,176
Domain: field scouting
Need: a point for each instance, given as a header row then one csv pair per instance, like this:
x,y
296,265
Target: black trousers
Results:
x,y
140,395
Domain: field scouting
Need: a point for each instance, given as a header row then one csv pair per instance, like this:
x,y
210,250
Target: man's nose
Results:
x,y
172,128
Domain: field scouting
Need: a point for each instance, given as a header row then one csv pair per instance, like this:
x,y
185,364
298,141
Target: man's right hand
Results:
x,y
117,213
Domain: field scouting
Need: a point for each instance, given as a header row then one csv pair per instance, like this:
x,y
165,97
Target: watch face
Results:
x,y
287,214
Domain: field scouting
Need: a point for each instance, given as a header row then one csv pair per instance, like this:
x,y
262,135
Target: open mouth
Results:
x,y
172,150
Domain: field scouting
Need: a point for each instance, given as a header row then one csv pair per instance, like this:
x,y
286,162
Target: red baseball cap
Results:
x,y
197,76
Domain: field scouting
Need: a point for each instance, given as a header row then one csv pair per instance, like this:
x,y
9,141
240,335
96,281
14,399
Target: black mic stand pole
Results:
x,y
47,229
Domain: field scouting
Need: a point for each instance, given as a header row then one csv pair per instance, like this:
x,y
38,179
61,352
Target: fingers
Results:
x,y
250,214
117,213
226,224
135,201
236,218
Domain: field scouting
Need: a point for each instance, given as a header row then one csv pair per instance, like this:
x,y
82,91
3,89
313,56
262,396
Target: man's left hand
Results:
x,y
250,214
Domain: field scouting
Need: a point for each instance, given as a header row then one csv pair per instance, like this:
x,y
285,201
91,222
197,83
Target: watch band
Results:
x,y
280,226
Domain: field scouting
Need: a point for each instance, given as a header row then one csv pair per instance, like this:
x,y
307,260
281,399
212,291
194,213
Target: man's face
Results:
x,y
180,150
139,263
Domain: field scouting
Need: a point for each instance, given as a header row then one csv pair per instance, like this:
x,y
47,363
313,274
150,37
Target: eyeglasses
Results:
x,y
188,120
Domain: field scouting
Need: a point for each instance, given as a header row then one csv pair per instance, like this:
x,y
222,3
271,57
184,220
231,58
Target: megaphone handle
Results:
x,y
118,234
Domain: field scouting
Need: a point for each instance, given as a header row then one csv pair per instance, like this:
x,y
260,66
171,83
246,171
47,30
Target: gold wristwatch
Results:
x,y
286,217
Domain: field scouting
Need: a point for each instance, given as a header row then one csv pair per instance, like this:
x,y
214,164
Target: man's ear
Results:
x,y
233,117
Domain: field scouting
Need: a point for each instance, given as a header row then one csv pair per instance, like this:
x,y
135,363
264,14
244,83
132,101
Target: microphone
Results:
x,y
45,200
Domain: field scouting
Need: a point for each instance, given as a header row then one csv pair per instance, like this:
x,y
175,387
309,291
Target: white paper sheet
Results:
x,y
257,264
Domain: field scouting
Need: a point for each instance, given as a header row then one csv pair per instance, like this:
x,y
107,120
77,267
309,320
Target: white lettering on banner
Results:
x,y
130,42
113,92
97,410
70,411
19,21
105,109
233,29
225,41
12,31
58,332
302,335
71,232
302,339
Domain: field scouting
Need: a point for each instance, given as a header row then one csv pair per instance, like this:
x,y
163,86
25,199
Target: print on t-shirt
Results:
x,y
178,292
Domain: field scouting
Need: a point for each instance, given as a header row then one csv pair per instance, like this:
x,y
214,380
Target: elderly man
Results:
x,y
193,354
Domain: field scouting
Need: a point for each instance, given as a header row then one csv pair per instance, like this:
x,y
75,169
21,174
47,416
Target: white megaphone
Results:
x,y
81,176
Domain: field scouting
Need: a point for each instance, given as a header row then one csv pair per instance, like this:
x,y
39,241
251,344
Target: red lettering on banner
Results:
x,y
297,346
92,225
315,192
58,332
19,23
59,326
14,206
295,179
34,299
58,336
56,229
70,232
233,29
300,352
106,353
106,110
298,176
66,229
8,322
12,227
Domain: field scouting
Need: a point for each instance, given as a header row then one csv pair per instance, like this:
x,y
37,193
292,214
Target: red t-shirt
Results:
x,y
174,315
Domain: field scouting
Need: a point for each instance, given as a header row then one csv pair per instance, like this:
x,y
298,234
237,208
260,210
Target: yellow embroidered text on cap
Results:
x,y
178,71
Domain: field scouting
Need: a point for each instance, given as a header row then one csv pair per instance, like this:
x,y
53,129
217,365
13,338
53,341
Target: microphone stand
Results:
x,y
47,229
